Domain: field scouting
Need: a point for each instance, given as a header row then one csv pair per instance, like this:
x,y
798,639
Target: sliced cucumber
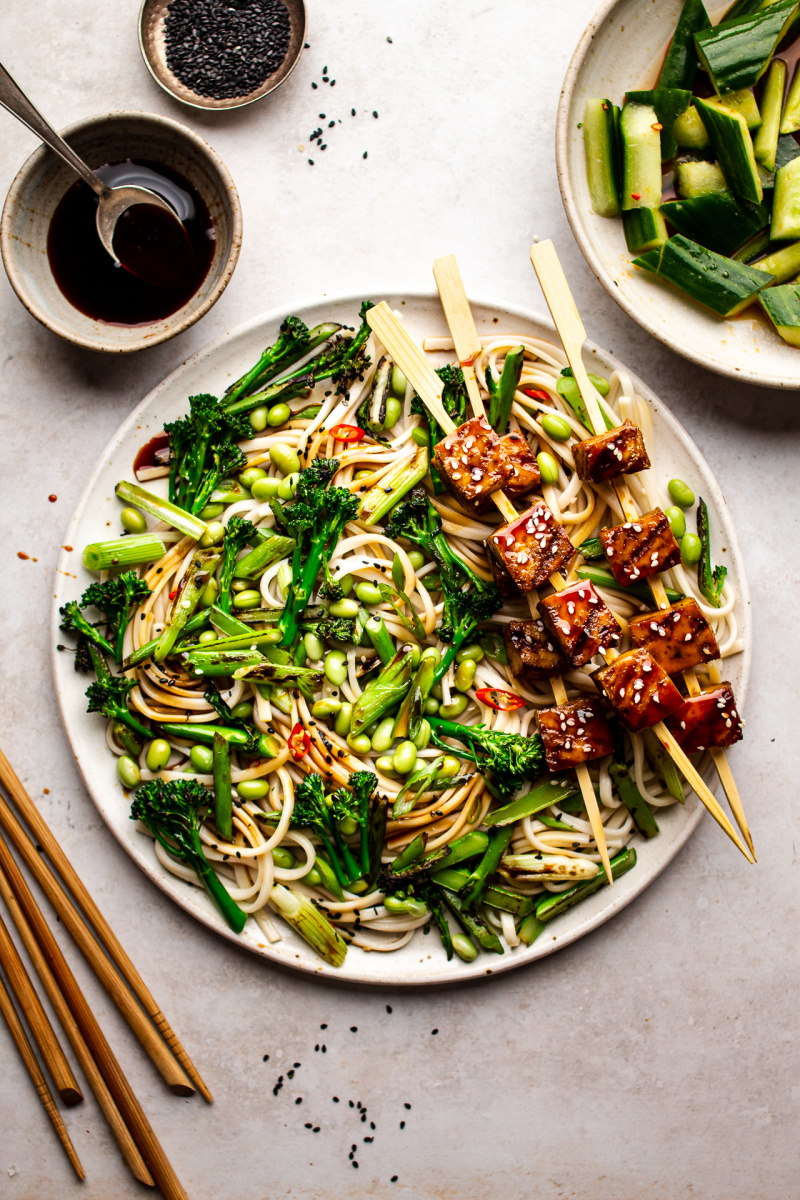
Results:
x,y
680,65
694,178
783,264
716,220
733,146
601,139
782,306
743,102
737,52
790,120
753,248
721,284
668,103
644,229
787,150
641,157
786,202
765,145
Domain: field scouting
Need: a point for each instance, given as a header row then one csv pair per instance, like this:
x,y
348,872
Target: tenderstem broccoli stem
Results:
x,y
265,745
203,563
163,510
117,553
641,591
230,910
290,386
271,364
477,883
127,738
223,788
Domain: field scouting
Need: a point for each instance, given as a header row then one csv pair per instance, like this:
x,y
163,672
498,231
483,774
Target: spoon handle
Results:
x,y
14,99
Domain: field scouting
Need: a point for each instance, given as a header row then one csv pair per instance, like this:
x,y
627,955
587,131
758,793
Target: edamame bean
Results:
x,y
360,743
432,653
132,520
158,753
691,549
211,511
344,715
409,907
248,477
284,859
348,826
382,738
206,637
556,427
346,584
128,772
450,766
252,789
215,533
454,709
548,467
312,877
404,757
399,382
343,608
420,436
417,559
249,598
314,647
243,711
325,708
266,489
284,458
416,654
394,411
286,487
239,585
436,690
385,765
423,735
362,473
465,674
368,593
464,947
209,594
258,419
677,521
201,758
473,651
431,706
278,415
680,493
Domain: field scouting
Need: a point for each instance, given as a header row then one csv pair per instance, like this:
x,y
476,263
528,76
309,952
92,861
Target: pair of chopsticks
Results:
x,y
97,942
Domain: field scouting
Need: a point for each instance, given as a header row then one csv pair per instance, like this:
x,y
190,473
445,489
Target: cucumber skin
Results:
x,y
641,157
680,64
783,264
721,284
733,146
644,229
765,145
716,221
782,306
669,104
601,140
786,202
737,52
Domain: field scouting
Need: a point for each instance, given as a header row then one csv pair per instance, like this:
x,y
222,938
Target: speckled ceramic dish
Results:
x,y
623,47
423,960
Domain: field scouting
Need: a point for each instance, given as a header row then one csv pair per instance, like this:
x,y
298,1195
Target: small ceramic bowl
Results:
x,y
154,53
43,180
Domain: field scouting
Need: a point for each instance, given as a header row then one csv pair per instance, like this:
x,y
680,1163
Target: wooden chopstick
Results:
x,y
104,1098
129,1107
34,1070
38,1021
162,1058
58,858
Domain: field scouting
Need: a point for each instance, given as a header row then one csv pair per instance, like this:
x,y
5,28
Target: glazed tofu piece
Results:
x,y
531,548
619,451
468,464
678,637
574,733
706,720
640,548
520,470
581,622
533,653
639,689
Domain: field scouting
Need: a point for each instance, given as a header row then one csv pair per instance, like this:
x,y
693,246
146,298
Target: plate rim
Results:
x,y
448,973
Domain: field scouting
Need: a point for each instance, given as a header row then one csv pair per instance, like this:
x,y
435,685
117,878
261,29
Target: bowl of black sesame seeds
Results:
x,y
221,54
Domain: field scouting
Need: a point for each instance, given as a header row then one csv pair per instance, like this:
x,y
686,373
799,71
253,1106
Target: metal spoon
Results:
x,y
113,202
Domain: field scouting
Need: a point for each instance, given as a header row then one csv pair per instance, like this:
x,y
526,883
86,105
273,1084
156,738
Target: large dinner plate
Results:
x,y
622,48
423,960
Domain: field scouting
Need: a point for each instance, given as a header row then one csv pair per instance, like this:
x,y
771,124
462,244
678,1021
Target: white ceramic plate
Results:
x,y
423,960
621,49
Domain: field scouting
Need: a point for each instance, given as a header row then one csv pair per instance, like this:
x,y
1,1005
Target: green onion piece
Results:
x,y
132,551
309,922
393,487
263,555
229,625
223,788
148,502
379,635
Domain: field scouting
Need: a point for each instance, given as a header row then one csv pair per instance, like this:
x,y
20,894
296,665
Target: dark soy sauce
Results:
x,y
145,238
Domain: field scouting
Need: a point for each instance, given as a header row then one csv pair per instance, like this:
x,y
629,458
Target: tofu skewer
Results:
x,y
572,333
413,362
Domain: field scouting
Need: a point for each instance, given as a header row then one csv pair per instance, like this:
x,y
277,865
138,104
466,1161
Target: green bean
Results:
x,y
279,414
312,877
325,708
382,738
132,521
249,598
286,487
158,753
394,411
423,735
473,652
680,493
420,436
691,549
399,382
464,947
284,859
314,647
343,719
454,709
677,521
285,459
343,608
252,789
410,907
206,637
209,594
385,765
243,711
258,419
404,758
248,477
548,467
465,674
431,706
215,533
360,743
556,428
368,593
266,489
417,559
336,667
530,929
202,758
450,766
128,772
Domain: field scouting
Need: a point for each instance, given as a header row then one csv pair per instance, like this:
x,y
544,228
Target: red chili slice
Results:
x,y
299,742
535,393
501,701
347,433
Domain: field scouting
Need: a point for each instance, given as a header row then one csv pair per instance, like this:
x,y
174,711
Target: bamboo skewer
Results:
x,y
98,1085
572,333
38,1021
412,362
174,1076
462,325
20,1037
129,1107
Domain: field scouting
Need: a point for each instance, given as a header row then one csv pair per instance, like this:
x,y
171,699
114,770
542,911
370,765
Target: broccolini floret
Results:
x,y
315,811
115,598
508,757
239,533
73,621
203,450
109,696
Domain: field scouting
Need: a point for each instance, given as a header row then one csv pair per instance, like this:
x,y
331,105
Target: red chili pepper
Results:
x,y
636,195
501,701
347,433
535,393
299,742
173,594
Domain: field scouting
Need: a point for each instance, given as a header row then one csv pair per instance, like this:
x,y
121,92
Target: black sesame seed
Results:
x,y
374,113
331,124
223,50
265,1058
402,1124
393,1179
299,1100
333,83
364,155
296,1065
434,1032
313,85
388,1008
354,1029
352,112
323,1026
307,1125
315,1129
335,1099
355,1164
406,1106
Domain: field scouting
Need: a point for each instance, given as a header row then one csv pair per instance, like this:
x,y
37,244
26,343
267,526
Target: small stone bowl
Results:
x,y
154,53
43,180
